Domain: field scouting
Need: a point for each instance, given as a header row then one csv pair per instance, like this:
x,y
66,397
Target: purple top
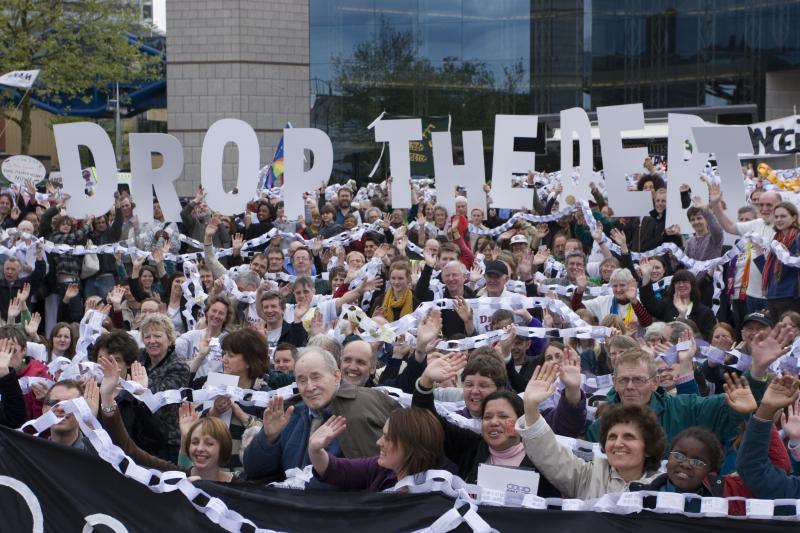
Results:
x,y
358,474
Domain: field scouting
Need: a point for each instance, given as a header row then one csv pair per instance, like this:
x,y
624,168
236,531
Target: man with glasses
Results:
x,y
761,226
636,383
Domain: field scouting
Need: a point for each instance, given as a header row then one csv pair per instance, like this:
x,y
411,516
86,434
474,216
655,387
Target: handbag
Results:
x,y
91,264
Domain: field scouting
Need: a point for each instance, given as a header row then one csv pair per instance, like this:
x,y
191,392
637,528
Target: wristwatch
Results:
x,y
109,409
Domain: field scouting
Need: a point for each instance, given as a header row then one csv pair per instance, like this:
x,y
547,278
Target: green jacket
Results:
x,y
681,411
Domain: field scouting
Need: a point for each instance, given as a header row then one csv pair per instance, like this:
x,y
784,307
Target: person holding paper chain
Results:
x,y
681,300
166,372
780,283
412,442
12,403
205,442
630,435
635,383
762,226
67,432
144,426
764,479
283,442
245,356
26,366
622,302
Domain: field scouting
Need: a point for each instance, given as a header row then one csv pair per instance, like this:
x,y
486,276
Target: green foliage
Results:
x,y
77,45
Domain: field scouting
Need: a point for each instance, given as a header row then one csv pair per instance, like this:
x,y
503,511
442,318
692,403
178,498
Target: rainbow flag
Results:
x,y
274,176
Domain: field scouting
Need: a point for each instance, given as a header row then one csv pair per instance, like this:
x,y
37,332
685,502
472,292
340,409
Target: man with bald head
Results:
x,y
761,226
358,364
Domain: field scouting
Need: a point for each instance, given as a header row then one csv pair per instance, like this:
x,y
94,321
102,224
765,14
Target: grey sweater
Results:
x,y
708,246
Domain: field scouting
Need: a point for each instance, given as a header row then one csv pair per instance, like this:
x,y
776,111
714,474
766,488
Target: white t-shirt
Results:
x,y
759,227
187,346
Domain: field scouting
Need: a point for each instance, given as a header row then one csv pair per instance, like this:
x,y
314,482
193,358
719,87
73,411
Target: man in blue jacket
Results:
x,y
283,442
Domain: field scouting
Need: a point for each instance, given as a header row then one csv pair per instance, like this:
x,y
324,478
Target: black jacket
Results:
x,y
451,322
665,311
468,450
12,403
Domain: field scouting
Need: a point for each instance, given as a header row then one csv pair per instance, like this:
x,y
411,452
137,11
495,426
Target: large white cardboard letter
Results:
x,y
471,175
296,179
222,132
575,125
145,177
683,171
506,162
726,143
398,133
619,161
68,138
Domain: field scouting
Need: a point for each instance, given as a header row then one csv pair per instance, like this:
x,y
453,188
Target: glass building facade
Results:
x,y
468,60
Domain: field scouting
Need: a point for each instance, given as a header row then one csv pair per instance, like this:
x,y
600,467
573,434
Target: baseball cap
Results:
x,y
519,239
758,316
496,267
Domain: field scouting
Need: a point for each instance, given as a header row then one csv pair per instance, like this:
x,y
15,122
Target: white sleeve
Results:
x,y
183,347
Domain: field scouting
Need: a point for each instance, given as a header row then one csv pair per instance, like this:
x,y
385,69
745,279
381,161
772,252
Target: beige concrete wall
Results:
x,y
245,59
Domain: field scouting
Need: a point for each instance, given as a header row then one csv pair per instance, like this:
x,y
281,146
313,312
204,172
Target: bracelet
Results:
x,y
422,389
109,409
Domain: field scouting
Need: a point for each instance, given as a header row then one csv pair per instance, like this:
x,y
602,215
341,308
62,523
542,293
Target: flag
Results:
x,y
274,174
22,79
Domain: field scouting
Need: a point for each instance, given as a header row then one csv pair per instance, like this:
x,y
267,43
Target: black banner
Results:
x,y
46,487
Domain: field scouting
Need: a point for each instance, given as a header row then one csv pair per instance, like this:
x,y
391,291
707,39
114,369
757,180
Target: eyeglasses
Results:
x,y
682,458
637,381
50,402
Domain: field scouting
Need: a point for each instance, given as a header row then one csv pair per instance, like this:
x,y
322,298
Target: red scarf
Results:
x,y
773,267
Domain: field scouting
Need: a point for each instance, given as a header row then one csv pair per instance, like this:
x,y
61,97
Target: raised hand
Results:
x,y
187,416
463,310
597,232
542,230
766,348
324,435
782,392
619,237
790,421
646,269
443,369
430,258
631,291
525,265
24,292
139,374
581,281
115,296
110,383
714,194
541,386
237,242
738,395
428,331
475,273
14,309
91,393
6,351
32,327
541,256
570,376
276,418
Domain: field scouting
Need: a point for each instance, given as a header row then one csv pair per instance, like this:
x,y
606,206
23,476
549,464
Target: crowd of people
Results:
x,y
688,387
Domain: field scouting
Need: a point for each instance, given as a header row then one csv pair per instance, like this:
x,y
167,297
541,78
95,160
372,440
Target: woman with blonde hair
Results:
x,y
165,372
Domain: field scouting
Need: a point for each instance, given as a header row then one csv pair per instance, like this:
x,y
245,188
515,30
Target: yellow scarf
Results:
x,y
394,309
